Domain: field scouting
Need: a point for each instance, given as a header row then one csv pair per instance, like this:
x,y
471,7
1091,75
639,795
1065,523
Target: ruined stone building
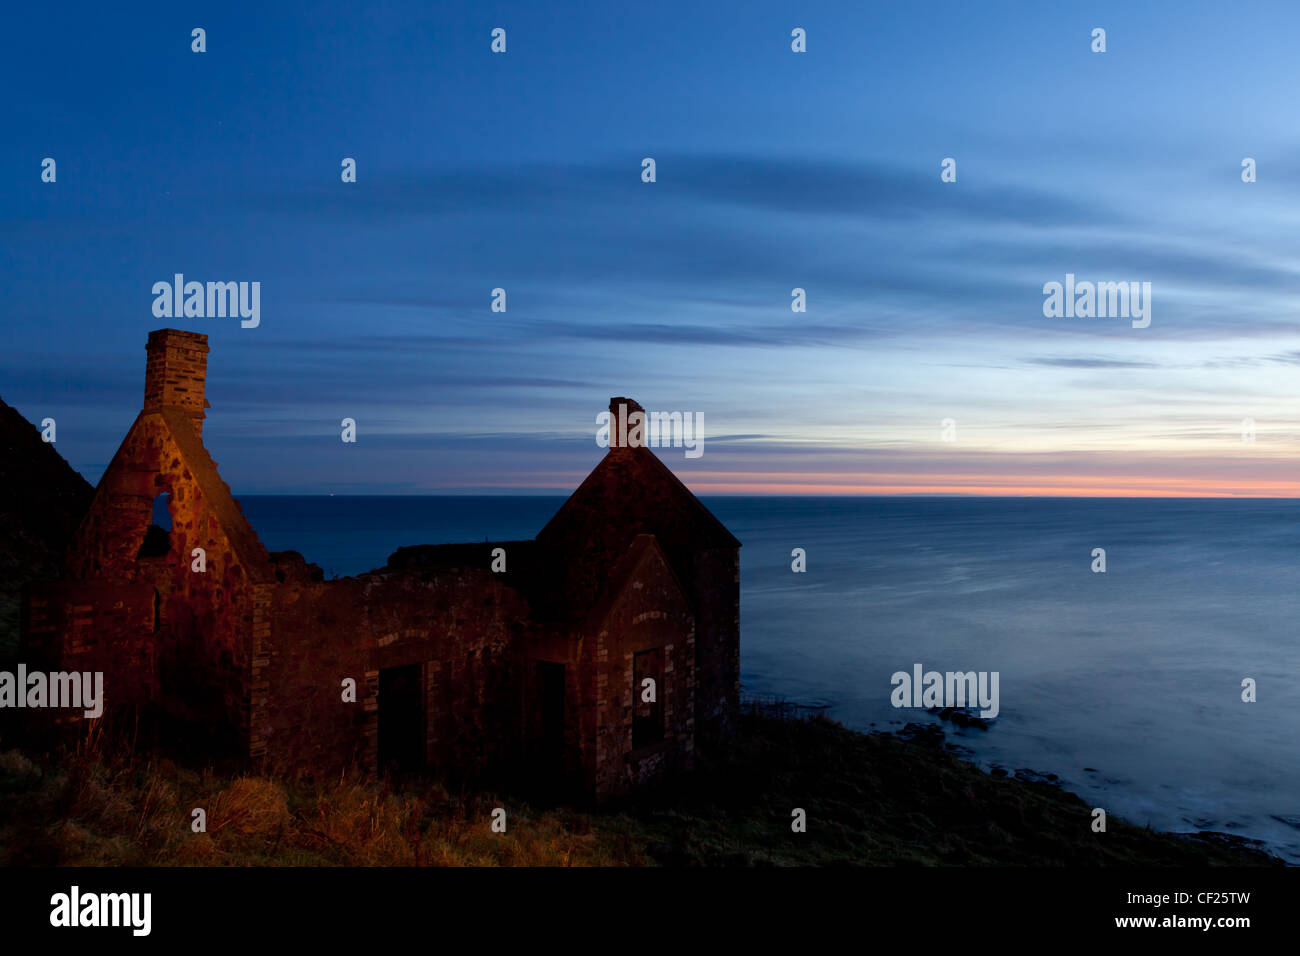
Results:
x,y
535,671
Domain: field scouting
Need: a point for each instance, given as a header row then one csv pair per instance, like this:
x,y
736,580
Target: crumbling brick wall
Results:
x,y
715,584
632,492
647,612
200,629
92,626
458,624
256,648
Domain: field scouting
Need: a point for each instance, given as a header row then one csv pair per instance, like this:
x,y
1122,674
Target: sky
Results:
x,y
775,170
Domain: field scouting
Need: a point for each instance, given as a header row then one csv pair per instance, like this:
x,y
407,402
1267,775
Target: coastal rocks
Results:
x,y
1230,841
927,735
961,717
1033,776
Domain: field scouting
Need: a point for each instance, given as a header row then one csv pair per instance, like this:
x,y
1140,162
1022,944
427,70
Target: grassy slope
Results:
x,y
870,799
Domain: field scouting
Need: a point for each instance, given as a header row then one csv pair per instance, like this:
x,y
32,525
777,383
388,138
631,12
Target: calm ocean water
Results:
x,y
1127,684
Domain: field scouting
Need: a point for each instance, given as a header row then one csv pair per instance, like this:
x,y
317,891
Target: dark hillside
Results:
x,y
42,500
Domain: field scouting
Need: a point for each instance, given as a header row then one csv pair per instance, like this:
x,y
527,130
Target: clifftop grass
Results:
x,y
870,799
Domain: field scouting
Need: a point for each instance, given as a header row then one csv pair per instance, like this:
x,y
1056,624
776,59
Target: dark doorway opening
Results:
x,y
647,695
550,742
401,719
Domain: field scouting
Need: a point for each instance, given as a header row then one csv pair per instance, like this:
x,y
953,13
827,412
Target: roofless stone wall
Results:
x,y
436,662
455,629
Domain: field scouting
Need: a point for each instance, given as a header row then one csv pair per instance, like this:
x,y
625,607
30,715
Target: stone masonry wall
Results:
x,y
200,632
715,575
648,613
459,625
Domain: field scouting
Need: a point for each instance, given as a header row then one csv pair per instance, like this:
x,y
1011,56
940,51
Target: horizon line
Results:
x,y
549,493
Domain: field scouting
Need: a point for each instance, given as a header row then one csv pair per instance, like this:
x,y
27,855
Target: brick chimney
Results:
x,y
176,372
620,409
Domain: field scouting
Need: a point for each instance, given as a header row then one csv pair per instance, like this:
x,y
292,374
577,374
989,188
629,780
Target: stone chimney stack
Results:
x,y
620,410
176,373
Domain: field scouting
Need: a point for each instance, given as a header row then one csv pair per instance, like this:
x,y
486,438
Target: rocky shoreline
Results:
x,y
932,735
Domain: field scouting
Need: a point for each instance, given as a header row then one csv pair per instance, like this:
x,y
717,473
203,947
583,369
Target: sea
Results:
x,y
1126,683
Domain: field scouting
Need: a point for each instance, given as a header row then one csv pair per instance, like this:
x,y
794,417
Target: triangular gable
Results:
x,y
630,492
637,478
247,546
122,478
644,554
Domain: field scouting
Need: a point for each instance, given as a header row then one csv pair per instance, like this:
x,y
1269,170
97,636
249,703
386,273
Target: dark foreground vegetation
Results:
x,y
873,799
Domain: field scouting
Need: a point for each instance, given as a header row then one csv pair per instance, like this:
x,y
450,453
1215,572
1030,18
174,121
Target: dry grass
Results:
x,y
99,806
870,799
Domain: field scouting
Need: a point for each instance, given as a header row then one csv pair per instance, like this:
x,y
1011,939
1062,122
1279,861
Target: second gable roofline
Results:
x,y
650,465
252,555
643,546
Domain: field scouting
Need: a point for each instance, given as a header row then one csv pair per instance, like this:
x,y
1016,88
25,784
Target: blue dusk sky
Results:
x,y
775,170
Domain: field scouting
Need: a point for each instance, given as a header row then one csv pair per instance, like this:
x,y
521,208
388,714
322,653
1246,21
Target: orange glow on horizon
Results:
x,y
1033,486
